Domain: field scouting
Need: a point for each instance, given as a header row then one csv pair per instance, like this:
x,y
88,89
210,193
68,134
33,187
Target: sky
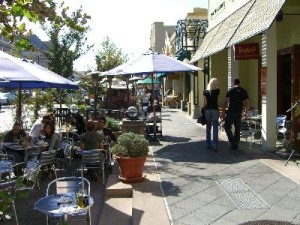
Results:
x,y
127,23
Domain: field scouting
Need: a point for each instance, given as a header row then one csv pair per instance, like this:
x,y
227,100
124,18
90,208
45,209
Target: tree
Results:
x,y
15,13
66,44
109,56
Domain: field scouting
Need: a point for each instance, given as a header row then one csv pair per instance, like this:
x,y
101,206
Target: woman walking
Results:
x,y
210,104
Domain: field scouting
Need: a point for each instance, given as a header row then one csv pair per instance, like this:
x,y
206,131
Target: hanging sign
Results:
x,y
246,51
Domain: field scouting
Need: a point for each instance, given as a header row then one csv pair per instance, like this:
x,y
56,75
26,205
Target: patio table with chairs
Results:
x,y
70,198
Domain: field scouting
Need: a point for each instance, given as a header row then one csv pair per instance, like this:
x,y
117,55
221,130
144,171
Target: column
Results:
x,y
269,88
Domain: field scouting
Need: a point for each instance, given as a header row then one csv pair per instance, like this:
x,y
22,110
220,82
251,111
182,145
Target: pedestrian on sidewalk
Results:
x,y
210,96
236,100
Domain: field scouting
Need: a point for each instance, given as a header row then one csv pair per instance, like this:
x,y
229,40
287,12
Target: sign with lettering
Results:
x,y
246,51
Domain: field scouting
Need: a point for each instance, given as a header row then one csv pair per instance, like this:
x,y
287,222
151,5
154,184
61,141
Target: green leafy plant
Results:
x,y
112,124
131,145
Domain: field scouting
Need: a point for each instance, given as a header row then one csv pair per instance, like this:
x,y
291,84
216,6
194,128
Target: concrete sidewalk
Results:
x,y
225,187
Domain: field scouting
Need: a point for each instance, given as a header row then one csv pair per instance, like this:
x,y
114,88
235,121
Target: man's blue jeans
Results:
x,y
212,118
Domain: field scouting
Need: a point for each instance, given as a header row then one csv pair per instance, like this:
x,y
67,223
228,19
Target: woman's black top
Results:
x,y
212,98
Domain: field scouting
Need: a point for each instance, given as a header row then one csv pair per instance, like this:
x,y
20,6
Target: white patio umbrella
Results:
x,y
151,63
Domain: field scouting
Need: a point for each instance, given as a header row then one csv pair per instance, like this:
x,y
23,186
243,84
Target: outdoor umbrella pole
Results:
x,y
153,107
127,84
19,109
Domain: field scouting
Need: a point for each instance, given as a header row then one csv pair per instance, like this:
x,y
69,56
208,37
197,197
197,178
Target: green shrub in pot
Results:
x,y
131,145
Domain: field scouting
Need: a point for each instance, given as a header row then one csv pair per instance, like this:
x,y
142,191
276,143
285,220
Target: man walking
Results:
x,y
236,99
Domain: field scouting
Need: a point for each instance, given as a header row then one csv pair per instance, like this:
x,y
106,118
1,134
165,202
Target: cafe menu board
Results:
x,y
263,82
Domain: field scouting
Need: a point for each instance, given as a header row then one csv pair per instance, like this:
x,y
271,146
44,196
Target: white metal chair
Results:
x,y
10,188
30,177
250,129
283,128
70,185
94,159
47,161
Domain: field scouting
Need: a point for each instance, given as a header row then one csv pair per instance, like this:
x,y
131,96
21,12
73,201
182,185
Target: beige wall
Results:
x,y
287,36
249,79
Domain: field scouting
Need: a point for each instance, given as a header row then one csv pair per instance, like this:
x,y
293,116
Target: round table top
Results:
x,y
52,205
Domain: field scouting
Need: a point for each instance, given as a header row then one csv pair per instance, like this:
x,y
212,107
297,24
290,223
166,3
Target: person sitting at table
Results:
x,y
105,132
15,135
51,137
78,121
91,139
37,128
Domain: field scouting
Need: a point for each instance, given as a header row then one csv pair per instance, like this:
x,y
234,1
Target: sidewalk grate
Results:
x,y
241,195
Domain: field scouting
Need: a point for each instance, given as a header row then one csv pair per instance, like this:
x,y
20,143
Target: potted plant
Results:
x,y
114,126
131,151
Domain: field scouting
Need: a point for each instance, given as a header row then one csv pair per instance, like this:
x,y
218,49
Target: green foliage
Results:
x,y
81,107
11,193
112,124
2,136
15,14
131,145
66,45
41,100
109,56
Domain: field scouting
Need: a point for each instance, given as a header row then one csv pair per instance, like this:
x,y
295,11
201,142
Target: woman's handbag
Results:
x,y
202,118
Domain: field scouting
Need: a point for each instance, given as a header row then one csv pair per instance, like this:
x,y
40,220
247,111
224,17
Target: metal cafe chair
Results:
x,y
69,185
94,159
47,161
11,187
30,177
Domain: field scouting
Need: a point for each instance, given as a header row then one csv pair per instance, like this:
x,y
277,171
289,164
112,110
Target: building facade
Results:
x,y
257,41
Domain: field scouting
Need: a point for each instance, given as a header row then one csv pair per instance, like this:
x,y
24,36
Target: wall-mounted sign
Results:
x,y
246,51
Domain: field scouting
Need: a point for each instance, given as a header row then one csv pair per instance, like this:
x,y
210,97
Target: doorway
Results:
x,y
288,86
284,85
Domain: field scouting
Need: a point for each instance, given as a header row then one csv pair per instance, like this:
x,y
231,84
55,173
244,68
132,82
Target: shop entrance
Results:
x,y
288,86
284,84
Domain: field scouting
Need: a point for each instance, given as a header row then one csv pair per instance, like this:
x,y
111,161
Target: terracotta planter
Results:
x,y
131,169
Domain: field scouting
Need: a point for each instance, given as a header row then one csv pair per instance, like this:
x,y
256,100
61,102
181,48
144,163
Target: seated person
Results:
x,y
105,133
51,137
78,121
37,128
16,135
91,139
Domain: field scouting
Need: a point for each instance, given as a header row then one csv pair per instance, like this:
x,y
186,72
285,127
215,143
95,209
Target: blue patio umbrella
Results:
x,y
20,74
28,75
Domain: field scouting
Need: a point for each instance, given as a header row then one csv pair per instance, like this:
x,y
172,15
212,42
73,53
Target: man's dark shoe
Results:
x,y
215,149
234,147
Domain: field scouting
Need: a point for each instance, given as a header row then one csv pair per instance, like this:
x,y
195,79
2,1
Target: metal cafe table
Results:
x,y
61,205
18,147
